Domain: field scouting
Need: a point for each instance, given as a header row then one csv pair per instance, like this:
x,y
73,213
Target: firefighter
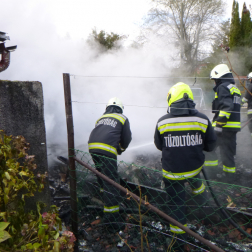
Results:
x,y
226,107
182,135
110,137
248,98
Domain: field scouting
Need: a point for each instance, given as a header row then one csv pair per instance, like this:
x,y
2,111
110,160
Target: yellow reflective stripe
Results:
x,y
180,176
185,126
102,146
244,99
176,229
112,209
215,95
229,125
228,169
233,89
224,113
211,163
187,119
116,116
249,111
199,190
232,125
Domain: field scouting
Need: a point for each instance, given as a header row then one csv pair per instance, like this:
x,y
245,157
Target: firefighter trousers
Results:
x,y
226,141
111,195
176,198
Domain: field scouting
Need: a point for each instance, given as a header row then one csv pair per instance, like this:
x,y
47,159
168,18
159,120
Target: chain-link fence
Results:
x,y
222,216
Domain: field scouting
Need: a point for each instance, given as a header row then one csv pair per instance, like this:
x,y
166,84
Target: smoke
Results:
x,y
43,55
135,75
132,78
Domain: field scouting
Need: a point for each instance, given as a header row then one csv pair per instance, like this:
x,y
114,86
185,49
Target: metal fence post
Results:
x,y
70,136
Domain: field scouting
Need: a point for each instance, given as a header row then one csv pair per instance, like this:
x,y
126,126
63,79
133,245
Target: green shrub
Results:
x,y
21,230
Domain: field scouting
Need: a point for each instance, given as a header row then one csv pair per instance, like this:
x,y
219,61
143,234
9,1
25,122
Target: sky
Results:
x,y
51,39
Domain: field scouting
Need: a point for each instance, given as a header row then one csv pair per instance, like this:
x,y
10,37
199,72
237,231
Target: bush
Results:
x,y
21,230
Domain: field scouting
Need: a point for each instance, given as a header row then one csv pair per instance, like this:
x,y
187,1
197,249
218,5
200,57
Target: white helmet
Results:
x,y
250,76
219,71
116,102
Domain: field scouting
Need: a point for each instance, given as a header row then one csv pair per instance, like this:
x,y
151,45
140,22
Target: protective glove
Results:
x,y
120,150
221,121
244,102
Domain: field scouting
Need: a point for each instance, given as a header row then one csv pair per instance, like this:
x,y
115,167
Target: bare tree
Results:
x,y
190,23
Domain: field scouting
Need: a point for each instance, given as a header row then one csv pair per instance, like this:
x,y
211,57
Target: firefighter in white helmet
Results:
x,y
182,135
248,99
110,137
226,121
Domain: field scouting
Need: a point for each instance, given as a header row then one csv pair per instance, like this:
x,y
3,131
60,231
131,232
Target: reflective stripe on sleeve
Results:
x,y
232,125
249,111
102,146
224,113
211,163
112,209
233,89
215,95
229,125
176,229
180,176
244,99
228,169
199,190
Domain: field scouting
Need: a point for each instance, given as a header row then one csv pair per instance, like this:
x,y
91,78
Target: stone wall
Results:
x,y
22,113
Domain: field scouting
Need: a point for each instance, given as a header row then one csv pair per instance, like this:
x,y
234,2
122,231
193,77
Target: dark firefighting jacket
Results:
x,y
227,104
248,98
182,135
111,135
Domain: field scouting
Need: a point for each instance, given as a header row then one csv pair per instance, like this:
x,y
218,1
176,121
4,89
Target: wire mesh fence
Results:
x,y
222,216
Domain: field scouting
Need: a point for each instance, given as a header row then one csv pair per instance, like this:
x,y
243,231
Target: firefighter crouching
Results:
x,y
248,98
226,107
110,137
182,135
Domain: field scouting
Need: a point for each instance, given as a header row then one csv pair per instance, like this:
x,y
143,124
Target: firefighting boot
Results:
x,y
229,177
179,245
205,199
214,172
113,222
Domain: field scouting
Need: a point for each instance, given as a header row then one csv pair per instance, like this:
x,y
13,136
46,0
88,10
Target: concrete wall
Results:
x,y
22,113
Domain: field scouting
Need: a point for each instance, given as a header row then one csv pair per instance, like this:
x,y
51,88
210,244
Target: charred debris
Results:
x,y
93,234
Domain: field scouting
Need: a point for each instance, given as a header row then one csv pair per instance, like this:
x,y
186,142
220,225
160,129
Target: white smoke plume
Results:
x,y
45,51
43,55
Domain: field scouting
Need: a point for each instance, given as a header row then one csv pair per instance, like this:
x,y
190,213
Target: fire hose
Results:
x,y
151,207
222,210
